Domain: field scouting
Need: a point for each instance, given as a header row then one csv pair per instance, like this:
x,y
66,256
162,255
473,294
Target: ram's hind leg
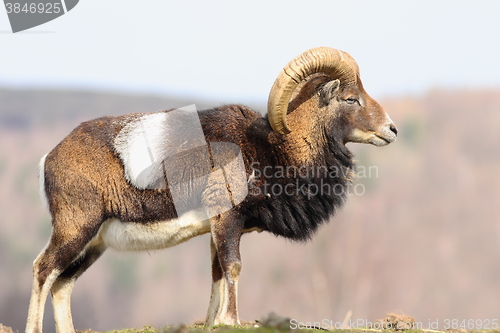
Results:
x,y
226,266
44,275
66,246
63,286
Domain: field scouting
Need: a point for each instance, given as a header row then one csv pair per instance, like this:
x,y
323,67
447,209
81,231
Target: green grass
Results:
x,y
202,329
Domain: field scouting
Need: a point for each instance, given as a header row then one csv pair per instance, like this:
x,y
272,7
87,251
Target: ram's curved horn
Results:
x,y
335,63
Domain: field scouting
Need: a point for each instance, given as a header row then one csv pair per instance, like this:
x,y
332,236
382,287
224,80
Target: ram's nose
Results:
x,y
393,129
388,132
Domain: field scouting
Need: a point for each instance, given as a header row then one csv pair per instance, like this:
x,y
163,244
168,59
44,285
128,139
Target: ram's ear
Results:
x,y
329,91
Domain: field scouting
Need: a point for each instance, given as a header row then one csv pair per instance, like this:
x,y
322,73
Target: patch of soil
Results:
x,y
396,322
275,321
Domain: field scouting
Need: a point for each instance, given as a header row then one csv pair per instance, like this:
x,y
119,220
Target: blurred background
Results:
x,y
422,240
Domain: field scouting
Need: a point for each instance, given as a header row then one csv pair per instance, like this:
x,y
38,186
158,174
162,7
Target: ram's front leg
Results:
x,y
218,295
226,266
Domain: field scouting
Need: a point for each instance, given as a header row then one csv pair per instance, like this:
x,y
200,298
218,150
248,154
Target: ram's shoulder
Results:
x,y
233,113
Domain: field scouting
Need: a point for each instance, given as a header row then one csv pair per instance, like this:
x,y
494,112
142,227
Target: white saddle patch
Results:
x,y
145,142
170,147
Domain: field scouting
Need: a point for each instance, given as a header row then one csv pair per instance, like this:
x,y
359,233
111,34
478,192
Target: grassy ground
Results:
x,y
261,329
276,324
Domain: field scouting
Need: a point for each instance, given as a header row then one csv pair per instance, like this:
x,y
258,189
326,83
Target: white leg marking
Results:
x,y
223,291
37,302
223,316
218,303
61,293
218,313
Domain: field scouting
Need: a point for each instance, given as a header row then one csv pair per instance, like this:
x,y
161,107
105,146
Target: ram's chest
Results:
x,y
132,236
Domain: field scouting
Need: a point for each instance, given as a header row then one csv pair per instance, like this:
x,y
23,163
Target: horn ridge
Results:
x,y
335,63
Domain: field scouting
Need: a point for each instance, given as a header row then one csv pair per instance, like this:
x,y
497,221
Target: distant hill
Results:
x,y
38,107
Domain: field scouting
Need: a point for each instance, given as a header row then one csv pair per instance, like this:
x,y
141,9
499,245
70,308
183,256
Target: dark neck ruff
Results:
x,y
294,206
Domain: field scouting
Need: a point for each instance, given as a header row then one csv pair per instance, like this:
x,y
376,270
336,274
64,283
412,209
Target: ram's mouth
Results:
x,y
382,140
378,139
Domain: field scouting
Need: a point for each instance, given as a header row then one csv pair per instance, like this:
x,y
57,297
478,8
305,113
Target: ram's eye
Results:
x,y
352,100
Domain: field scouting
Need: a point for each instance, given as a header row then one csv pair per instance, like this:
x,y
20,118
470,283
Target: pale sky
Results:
x,y
231,51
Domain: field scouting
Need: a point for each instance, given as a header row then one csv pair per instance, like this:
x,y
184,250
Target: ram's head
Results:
x,y
326,93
